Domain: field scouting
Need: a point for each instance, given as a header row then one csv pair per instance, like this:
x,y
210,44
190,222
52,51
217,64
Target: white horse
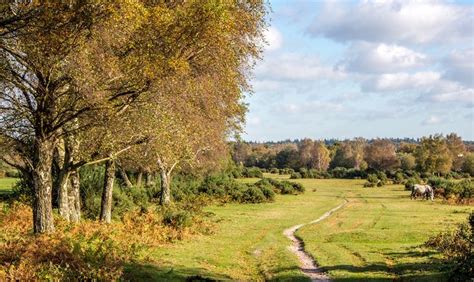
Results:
x,y
425,190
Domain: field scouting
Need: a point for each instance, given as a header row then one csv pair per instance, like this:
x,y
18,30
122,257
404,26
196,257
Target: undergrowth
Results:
x,y
88,250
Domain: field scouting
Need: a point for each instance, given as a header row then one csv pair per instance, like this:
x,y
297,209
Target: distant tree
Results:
x,y
349,154
433,155
468,164
305,148
458,150
358,148
407,161
241,152
287,158
320,156
381,155
408,148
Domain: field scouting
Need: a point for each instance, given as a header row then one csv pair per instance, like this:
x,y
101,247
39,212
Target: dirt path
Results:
x,y
307,263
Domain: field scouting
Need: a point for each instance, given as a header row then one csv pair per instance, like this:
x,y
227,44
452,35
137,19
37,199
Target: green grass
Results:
x,y
373,237
6,185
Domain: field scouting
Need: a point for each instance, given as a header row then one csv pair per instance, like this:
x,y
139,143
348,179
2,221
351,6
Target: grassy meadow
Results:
x,y
6,185
374,237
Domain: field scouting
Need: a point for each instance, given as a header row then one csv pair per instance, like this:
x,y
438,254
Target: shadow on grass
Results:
x,y
434,270
152,272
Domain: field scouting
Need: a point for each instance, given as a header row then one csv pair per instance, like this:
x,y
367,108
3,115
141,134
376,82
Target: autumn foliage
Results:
x,y
88,250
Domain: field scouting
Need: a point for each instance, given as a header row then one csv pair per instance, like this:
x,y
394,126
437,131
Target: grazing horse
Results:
x,y
426,191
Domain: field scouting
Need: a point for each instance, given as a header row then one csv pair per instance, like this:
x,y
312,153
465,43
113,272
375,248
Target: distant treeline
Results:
x,y
434,154
331,141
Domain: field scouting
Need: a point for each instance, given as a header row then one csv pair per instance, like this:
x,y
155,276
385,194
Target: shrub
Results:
x,y
268,193
253,195
23,191
286,171
438,182
298,187
456,247
12,173
376,179
398,178
410,182
88,250
461,191
468,164
372,180
178,219
252,172
296,175
351,173
274,170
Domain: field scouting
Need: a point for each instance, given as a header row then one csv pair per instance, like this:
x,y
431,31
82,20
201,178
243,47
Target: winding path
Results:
x,y
307,263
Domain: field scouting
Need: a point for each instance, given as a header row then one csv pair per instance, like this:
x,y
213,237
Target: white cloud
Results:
x,y
395,21
254,120
273,39
381,58
460,66
463,96
432,120
401,81
310,107
291,66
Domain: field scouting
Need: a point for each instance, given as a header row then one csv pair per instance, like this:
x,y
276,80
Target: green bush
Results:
x,y
253,195
274,170
296,175
12,173
347,173
438,182
456,247
268,193
398,178
410,182
252,172
177,219
460,190
286,171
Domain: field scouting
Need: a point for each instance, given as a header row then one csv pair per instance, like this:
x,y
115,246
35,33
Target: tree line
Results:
x,y
434,154
148,86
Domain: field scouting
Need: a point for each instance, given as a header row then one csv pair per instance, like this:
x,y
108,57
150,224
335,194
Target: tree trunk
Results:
x,y
43,221
149,179
139,179
74,197
165,198
63,195
106,204
125,178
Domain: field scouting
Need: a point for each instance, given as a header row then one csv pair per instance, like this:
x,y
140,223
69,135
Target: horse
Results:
x,y
425,190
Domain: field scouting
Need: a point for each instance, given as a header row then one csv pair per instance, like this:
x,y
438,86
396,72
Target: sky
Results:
x,y
343,69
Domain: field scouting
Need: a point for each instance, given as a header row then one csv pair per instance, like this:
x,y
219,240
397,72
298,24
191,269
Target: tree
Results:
x,y
457,149
199,101
407,161
38,97
468,165
381,155
305,151
349,154
320,156
433,155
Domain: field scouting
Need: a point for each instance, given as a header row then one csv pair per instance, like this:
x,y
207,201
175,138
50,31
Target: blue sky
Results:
x,y
342,69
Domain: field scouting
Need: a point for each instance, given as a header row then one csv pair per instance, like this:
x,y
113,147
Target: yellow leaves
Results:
x,y
179,65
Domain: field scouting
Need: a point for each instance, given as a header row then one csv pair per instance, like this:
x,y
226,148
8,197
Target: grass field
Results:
x,y
6,185
374,237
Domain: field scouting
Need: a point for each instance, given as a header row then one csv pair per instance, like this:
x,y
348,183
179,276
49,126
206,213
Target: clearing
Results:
x,y
375,236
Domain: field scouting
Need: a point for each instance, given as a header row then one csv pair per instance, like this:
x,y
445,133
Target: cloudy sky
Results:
x,y
371,68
